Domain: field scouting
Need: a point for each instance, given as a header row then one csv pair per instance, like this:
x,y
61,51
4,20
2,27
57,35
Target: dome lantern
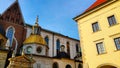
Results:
x,y
36,27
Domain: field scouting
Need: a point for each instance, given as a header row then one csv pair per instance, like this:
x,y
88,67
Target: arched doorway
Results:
x,y
80,66
107,66
55,65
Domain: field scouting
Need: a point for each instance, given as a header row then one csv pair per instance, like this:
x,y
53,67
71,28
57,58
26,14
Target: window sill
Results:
x,y
113,25
116,50
97,31
102,53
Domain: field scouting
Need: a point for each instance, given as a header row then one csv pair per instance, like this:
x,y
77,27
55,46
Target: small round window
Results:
x,y
68,66
29,49
39,49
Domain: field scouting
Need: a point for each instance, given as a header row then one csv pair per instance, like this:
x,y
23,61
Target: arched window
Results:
x,y
68,66
58,46
77,48
55,65
47,40
80,66
68,48
38,65
9,34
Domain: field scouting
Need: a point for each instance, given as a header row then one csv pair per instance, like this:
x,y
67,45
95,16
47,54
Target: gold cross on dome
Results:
x,y
37,20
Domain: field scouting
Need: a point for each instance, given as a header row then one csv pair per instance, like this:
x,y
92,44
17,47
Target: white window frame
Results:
x,y
38,65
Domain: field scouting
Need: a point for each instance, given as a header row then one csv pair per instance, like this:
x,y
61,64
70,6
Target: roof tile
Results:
x,y
95,4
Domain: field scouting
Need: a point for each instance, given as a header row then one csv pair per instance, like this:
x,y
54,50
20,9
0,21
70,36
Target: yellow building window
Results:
x,y
95,27
100,48
111,20
117,43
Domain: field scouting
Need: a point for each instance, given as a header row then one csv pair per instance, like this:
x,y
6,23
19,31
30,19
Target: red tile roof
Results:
x,y
97,3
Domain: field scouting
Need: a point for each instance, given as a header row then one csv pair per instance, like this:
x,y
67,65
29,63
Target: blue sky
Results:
x,y
54,15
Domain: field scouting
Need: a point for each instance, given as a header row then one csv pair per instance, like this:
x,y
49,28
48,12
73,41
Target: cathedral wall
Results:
x,y
52,42
50,36
62,63
42,62
63,41
29,31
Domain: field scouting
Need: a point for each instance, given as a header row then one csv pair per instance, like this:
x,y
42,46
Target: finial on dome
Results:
x,y
17,0
36,27
37,20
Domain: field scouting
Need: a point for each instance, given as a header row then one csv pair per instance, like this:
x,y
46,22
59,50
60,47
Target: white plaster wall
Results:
x,y
43,61
63,41
72,49
50,45
29,31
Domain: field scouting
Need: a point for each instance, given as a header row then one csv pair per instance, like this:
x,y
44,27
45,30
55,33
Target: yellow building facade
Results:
x,y
99,30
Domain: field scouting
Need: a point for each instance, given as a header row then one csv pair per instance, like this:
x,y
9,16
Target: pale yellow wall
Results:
x,y
106,34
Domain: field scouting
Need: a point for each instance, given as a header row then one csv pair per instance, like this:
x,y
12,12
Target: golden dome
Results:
x,y
35,39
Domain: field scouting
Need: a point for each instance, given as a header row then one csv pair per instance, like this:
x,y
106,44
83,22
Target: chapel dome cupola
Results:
x,y
35,37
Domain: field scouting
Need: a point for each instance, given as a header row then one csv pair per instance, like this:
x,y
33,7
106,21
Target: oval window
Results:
x,y
29,49
39,49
